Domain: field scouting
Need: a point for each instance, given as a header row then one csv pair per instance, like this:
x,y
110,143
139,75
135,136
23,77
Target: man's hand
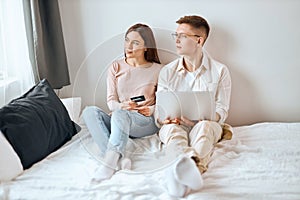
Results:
x,y
169,121
180,121
217,117
187,122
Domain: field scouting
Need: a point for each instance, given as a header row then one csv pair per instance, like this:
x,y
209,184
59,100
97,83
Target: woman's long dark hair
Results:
x,y
146,33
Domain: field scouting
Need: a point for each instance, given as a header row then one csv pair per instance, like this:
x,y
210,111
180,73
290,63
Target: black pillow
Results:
x,y
36,124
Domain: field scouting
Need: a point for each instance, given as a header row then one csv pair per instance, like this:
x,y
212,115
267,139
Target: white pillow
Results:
x,y
10,163
73,106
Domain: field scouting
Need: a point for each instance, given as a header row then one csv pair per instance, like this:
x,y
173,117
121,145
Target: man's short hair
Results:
x,y
196,22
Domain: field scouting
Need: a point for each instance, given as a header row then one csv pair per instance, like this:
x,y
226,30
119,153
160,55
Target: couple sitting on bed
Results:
x,y
140,73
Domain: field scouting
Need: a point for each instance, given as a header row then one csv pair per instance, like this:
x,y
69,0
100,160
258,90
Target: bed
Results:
x,y
261,161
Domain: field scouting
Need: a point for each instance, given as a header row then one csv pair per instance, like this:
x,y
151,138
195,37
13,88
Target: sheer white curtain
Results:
x,y
16,74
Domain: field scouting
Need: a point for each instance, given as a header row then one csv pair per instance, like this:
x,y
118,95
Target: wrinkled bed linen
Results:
x,y
262,161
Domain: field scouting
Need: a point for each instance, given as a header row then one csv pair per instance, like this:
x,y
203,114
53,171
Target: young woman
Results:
x,y
135,75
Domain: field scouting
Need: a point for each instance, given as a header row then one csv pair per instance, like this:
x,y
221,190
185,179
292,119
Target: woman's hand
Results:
x,y
144,110
129,105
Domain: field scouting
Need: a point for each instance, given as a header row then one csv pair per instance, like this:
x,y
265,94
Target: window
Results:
x,y
2,71
15,68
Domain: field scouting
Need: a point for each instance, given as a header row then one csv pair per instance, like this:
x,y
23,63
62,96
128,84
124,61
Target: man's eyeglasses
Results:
x,y
182,35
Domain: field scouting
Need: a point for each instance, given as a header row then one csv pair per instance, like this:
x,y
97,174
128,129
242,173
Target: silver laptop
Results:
x,y
190,104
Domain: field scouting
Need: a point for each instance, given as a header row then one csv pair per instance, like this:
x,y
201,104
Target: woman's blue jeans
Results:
x,y
112,132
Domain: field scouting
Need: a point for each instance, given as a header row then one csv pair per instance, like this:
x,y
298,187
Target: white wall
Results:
x,y
258,40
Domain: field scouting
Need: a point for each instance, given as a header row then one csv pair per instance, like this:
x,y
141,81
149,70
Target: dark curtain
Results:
x,y
46,42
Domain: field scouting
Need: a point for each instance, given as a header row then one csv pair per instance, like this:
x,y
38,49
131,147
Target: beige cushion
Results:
x,y
10,163
73,106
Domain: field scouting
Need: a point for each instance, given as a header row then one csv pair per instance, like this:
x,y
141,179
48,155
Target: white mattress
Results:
x,y
261,161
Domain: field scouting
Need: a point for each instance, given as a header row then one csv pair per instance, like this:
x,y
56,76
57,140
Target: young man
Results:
x,y
194,71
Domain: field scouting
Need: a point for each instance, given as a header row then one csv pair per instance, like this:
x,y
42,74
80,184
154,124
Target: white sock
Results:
x,y
174,187
125,163
188,174
108,167
183,176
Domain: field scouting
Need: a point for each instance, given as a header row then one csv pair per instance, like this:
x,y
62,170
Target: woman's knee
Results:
x,y
120,116
91,111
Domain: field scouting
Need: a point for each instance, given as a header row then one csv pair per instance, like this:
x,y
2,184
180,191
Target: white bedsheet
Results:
x,y
261,161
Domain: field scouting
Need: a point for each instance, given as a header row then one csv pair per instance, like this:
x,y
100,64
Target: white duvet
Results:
x,y
261,161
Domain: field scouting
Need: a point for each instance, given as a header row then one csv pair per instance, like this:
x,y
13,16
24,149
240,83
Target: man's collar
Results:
x,y
180,66
205,61
204,64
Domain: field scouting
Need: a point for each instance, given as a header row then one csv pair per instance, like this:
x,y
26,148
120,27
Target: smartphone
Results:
x,y
138,98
